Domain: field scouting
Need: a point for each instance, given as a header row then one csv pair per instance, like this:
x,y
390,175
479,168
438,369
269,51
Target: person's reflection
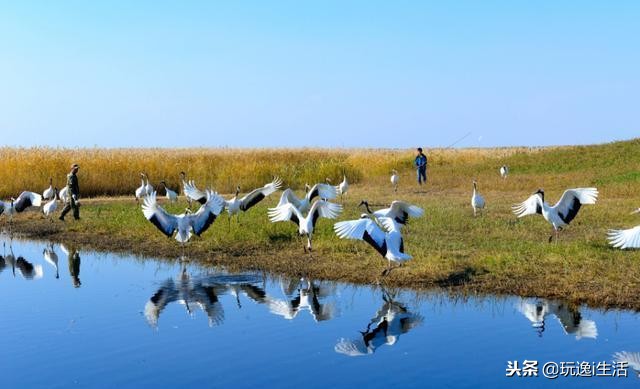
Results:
x,y
392,320
74,264
304,294
569,317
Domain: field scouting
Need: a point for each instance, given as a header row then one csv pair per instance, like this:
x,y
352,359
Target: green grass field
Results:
x,y
493,253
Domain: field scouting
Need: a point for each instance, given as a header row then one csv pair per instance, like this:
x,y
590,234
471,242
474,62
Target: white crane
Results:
x,y
394,179
171,195
141,191
184,224
385,238
185,183
477,201
16,205
236,204
148,187
563,212
625,239
49,208
63,195
504,171
342,187
399,211
48,193
244,203
323,191
306,224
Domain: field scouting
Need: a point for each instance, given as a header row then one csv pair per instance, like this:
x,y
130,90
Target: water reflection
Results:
x,y
51,257
390,321
31,270
27,269
73,259
8,259
203,292
632,359
569,317
304,295
100,331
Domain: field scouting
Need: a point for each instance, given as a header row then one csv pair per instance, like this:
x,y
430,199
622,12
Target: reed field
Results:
x,y
494,252
115,172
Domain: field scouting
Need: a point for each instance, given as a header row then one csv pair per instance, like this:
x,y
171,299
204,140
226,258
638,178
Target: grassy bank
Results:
x,y
492,253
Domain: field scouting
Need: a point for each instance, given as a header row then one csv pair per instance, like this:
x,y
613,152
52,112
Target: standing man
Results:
x,y
421,166
74,194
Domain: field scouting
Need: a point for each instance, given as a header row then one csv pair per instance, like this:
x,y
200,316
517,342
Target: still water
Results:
x,y
85,319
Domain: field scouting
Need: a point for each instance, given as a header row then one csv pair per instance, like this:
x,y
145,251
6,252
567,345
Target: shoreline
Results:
x,y
364,269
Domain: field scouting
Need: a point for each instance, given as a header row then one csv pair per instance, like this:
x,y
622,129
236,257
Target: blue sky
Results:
x,y
318,73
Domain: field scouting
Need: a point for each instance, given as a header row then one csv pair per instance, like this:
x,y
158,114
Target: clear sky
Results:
x,y
318,73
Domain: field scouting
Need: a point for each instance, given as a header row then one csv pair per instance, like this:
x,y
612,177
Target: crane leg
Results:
x,y
386,271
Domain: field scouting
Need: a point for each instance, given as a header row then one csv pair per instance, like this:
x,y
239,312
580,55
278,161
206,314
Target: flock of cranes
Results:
x,y
381,229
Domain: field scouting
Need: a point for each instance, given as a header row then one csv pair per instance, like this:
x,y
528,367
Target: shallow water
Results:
x,y
102,320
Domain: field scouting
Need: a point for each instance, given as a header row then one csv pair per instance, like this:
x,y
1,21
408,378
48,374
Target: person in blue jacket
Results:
x,y
421,166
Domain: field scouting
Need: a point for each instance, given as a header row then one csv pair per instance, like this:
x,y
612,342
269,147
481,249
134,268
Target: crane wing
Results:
x,y
352,348
572,200
324,191
192,192
631,358
164,221
530,206
255,196
362,229
207,214
400,211
324,209
26,200
625,239
288,197
285,212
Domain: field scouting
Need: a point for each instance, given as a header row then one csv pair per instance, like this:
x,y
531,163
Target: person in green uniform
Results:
x,y
74,194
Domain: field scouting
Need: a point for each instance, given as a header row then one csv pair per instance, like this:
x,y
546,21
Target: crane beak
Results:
x,y
635,212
